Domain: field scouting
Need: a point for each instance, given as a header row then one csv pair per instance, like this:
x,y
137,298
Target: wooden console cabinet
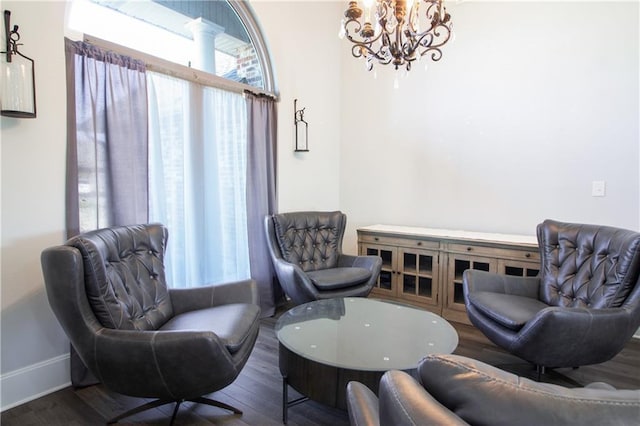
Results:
x,y
424,266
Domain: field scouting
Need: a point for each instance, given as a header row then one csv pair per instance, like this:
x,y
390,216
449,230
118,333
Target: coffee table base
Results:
x,y
320,382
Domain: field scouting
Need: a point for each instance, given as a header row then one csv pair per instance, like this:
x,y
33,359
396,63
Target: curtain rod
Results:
x,y
162,66
260,95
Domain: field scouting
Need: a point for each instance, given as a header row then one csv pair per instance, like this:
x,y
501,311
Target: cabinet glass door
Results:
x,y
385,280
418,275
519,269
457,265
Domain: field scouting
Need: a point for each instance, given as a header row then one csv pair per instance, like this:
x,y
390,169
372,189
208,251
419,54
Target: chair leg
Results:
x,y
160,402
212,402
540,374
561,377
540,370
175,412
141,408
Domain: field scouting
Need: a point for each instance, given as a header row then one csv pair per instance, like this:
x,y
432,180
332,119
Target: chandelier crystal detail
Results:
x,y
389,31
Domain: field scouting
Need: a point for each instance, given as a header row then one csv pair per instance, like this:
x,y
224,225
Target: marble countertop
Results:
x,y
452,234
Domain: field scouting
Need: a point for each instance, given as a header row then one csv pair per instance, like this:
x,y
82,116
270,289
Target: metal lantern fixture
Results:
x,y
302,128
396,32
18,86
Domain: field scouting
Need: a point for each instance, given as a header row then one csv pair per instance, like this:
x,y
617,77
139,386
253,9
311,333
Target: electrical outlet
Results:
x,y
598,188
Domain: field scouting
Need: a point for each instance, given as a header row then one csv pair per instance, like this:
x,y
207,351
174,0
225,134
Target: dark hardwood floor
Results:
x,y
258,391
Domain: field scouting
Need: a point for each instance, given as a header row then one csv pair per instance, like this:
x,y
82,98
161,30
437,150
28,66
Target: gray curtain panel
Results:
x,y
107,141
106,148
261,194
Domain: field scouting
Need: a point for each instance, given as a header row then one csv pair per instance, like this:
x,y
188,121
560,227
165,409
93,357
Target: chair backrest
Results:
x,y
311,240
124,275
481,394
587,265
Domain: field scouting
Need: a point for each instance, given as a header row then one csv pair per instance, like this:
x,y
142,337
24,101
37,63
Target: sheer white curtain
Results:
x,y
197,179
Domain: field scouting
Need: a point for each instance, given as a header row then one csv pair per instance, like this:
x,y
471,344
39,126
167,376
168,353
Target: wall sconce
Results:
x,y
302,128
18,87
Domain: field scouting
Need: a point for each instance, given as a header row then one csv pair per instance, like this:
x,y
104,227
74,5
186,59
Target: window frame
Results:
x,y
247,17
153,63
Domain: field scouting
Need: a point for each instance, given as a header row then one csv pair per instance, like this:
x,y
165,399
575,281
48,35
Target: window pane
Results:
x,y
206,35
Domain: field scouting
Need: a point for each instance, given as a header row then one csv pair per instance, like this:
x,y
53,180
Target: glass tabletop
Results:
x,y
364,334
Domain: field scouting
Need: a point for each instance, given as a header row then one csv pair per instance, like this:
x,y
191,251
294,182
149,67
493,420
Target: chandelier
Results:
x,y
396,32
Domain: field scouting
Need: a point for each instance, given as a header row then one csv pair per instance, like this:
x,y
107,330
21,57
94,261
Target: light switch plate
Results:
x,y
598,188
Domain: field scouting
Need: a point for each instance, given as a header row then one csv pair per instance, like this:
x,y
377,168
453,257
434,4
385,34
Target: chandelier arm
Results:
x,y
357,52
369,41
357,27
436,54
356,31
433,36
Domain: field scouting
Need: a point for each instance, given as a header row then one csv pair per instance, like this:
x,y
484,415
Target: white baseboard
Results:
x,y
31,382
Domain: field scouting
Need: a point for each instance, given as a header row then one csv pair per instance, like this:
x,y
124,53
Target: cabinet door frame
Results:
x,y
392,269
433,275
455,279
526,266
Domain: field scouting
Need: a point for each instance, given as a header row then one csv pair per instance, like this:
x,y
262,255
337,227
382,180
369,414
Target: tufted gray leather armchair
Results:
x,y
306,250
107,289
454,390
581,309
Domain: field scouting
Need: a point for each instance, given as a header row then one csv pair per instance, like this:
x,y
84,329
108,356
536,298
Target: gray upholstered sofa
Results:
x,y
454,390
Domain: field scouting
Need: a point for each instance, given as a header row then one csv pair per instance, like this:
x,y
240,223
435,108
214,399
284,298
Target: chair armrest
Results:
x,y
362,405
163,364
597,342
474,280
191,299
372,263
295,283
403,401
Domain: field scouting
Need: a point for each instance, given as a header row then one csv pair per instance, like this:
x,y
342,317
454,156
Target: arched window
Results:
x,y
199,57
219,37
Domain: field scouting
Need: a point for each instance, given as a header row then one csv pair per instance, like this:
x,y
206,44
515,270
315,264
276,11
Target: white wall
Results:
x,y
302,37
33,153
530,104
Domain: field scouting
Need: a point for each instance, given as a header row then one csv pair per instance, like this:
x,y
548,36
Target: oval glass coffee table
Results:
x,y
323,345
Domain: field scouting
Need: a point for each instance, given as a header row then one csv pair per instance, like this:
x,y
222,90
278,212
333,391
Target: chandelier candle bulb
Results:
x,y
410,8
367,10
341,33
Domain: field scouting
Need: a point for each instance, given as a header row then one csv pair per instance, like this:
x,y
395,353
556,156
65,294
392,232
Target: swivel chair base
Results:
x,y
160,402
540,373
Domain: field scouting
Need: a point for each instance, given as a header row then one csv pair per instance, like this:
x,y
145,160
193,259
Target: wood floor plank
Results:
x,y
258,391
